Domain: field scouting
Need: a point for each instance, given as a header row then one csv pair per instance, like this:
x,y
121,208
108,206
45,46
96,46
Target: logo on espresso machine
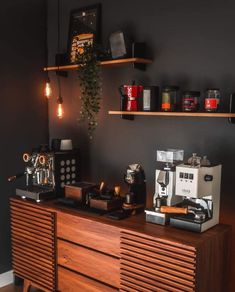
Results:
x,y
186,191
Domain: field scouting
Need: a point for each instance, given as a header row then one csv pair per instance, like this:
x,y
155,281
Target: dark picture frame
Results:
x,y
84,27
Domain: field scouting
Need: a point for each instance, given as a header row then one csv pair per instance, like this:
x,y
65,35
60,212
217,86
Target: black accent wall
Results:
x,y
23,111
193,46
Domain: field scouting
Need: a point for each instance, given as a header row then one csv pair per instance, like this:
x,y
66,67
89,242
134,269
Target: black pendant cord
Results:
x,y
46,39
59,100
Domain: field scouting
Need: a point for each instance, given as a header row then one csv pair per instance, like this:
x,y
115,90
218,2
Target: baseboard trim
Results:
x,y
6,278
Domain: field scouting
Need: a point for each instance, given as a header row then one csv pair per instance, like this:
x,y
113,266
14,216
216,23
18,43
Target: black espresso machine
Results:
x,y
47,172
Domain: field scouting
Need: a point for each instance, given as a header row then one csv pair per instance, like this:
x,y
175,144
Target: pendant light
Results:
x,y
60,110
47,88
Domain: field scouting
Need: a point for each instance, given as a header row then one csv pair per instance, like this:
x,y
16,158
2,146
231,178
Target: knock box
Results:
x,y
78,191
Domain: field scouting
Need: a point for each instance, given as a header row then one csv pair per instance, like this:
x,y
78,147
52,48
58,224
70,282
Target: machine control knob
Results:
x,y
208,177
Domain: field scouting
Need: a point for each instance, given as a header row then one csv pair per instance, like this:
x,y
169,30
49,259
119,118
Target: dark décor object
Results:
x,y
120,45
90,86
139,50
85,27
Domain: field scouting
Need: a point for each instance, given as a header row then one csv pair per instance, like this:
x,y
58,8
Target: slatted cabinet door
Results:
x,y
33,244
152,264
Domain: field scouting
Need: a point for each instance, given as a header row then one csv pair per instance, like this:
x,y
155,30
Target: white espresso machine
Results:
x,y
199,183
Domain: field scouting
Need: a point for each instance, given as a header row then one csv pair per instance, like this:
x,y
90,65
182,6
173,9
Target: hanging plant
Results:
x,y
90,86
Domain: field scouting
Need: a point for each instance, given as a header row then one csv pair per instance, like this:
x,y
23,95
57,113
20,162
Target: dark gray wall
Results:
x,y
24,121
193,46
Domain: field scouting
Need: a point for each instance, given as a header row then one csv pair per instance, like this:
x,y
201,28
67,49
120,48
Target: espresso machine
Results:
x,y
198,182
46,173
164,186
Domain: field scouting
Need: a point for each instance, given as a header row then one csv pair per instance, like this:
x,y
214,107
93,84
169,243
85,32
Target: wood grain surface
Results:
x,y
69,281
90,263
95,235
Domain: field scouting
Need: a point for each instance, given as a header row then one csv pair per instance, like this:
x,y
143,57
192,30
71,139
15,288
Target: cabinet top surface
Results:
x,y
135,223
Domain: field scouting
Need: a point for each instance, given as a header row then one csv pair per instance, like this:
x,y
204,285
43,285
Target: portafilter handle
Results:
x,y
14,177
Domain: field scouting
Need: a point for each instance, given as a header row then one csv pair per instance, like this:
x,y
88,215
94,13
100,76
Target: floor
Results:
x,y
13,288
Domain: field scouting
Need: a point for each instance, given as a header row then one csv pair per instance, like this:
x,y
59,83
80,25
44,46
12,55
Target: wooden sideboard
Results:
x,y
56,248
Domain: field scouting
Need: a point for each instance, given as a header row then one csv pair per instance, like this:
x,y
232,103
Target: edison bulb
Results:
x,y
60,111
47,90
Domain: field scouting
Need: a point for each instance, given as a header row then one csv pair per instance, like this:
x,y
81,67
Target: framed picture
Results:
x,y
85,27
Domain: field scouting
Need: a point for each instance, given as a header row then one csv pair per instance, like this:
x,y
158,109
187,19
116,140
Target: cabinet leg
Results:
x,y
27,285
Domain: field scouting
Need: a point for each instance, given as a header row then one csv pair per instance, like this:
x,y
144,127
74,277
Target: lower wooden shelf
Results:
x,y
175,114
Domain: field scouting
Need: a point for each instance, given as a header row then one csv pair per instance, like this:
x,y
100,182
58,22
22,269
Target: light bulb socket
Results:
x,y
60,100
48,79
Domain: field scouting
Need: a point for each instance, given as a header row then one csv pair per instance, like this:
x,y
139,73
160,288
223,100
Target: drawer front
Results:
x,y
33,244
88,262
92,234
72,282
149,264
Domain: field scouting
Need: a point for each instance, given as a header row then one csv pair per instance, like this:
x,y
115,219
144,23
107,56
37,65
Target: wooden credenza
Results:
x,y
60,249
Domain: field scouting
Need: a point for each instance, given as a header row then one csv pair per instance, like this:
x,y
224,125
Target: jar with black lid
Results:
x,y
190,101
212,100
169,98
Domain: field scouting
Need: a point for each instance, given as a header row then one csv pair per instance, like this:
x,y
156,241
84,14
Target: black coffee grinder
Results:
x,y
135,198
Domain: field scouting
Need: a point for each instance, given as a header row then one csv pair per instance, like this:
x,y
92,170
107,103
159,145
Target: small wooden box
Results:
x,y
106,205
78,191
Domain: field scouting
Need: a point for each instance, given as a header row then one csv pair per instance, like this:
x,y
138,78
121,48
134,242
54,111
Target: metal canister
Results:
x,y
190,101
169,98
212,100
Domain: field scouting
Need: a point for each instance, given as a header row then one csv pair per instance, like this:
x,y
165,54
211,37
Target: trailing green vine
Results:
x,y
90,86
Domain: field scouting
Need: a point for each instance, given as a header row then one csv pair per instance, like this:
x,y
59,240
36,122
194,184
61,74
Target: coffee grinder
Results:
x,y
164,186
135,198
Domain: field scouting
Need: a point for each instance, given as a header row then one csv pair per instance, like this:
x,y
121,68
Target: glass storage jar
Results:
x,y
212,100
190,101
169,98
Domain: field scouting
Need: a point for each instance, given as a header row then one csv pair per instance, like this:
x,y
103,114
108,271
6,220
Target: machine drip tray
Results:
x,y
35,193
188,224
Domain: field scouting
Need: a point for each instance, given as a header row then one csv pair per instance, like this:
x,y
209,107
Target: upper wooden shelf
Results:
x,y
118,62
175,114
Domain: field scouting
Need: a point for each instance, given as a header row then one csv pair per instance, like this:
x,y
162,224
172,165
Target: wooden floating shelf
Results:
x,y
175,114
110,63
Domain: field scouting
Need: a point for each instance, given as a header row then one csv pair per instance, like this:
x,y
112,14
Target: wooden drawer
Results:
x,y
88,262
151,264
72,282
95,235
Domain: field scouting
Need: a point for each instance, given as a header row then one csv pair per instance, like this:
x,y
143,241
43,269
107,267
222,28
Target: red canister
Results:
x,y
212,100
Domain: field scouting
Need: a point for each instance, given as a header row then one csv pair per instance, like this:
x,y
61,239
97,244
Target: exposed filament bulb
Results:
x,y
47,89
60,109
